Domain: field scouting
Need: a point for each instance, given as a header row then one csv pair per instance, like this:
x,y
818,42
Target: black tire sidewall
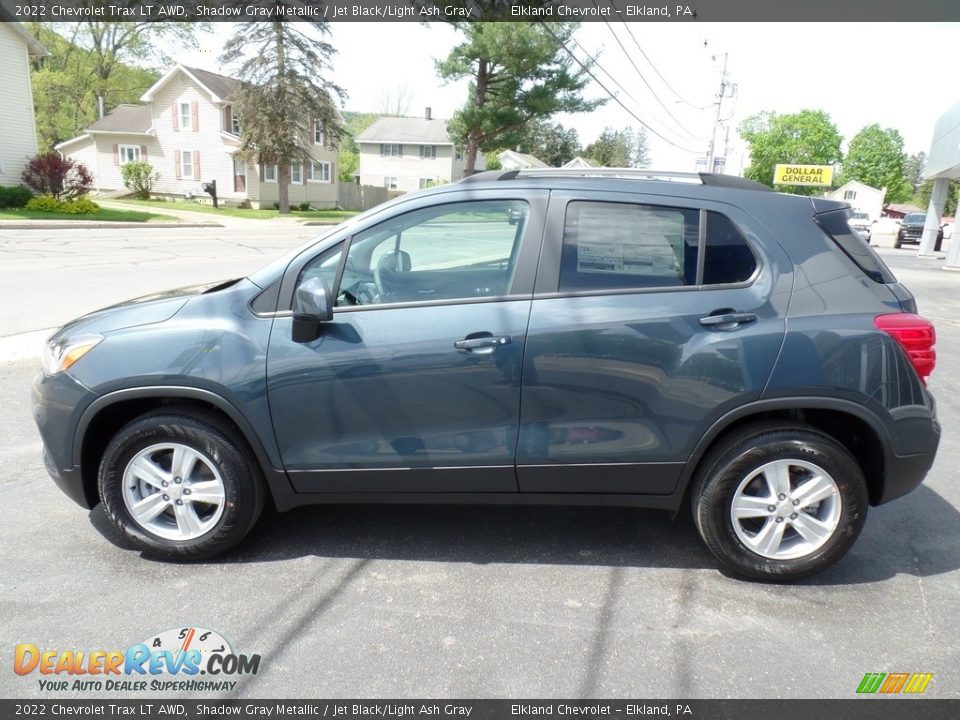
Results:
x,y
714,503
241,504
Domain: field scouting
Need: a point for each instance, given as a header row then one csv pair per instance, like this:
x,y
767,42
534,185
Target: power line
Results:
x,y
619,85
649,87
619,102
653,65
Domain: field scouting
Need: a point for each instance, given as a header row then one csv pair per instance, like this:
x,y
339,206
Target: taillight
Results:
x,y
916,335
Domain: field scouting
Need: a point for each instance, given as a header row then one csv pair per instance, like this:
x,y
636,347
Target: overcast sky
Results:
x,y
900,75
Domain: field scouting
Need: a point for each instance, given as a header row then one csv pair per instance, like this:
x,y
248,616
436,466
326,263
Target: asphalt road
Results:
x,y
468,601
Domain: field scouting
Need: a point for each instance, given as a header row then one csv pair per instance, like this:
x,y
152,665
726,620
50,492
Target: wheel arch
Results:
x,y
108,413
855,427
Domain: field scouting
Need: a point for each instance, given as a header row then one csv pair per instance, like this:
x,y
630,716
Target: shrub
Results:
x,y
46,203
304,206
50,174
139,177
80,206
14,197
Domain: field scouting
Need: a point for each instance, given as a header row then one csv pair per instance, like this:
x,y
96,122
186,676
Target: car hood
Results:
x,y
144,310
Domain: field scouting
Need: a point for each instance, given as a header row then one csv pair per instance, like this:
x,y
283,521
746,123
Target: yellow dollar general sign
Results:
x,y
787,174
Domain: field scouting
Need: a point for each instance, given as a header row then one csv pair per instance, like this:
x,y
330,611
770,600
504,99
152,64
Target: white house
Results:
x,y
408,153
862,198
513,160
18,128
186,129
578,163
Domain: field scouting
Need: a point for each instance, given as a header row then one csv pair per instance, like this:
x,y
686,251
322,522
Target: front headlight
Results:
x,y
58,355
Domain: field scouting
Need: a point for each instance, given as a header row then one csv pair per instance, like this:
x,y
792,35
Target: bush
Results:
x,y
14,197
46,203
303,207
139,177
62,178
80,206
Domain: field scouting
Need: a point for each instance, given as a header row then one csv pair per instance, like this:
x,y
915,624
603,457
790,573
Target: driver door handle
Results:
x,y
486,341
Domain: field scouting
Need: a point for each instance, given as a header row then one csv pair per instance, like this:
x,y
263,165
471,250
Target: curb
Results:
x,y
30,225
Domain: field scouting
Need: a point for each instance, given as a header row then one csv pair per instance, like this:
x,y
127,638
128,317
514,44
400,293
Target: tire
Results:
x,y
194,517
741,472
898,243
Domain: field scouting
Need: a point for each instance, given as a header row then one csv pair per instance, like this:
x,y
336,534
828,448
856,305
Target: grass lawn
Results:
x,y
333,216
103,214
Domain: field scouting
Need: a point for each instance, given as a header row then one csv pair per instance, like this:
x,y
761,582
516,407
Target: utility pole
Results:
x,y
716,121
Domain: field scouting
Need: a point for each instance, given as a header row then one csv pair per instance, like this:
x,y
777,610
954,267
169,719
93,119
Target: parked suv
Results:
x,y
532,337
911,231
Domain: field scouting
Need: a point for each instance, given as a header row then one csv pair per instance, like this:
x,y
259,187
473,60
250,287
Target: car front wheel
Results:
x,y
779,502
180,485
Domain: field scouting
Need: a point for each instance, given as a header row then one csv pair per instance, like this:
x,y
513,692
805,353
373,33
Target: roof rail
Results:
x,y
711,179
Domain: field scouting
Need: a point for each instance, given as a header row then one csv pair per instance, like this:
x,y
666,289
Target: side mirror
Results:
x,y
312,306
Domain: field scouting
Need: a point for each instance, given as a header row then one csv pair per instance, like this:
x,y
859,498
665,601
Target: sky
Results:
x,y
898,75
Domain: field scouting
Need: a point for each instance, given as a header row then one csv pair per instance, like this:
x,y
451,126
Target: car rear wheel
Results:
x,y
779,502
180,485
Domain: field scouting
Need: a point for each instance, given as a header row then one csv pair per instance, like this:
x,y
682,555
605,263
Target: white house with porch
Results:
x,y
186,129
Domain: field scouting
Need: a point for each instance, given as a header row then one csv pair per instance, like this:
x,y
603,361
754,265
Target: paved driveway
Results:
x,y
459,601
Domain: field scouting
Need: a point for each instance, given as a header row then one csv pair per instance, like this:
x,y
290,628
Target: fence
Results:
x,y
351,196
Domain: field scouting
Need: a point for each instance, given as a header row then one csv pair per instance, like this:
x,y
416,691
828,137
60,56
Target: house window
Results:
x,y
185,116
388,150
390,183
459,154
428,152
186,164
425,183
234,122
318,132
129,153
296,173
319,172
850,195
270,173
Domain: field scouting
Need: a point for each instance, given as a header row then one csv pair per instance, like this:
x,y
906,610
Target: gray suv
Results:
x,y
541,337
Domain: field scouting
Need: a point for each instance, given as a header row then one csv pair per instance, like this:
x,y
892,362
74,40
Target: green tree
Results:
x,y
283,95
348,153
518,72
619,148
91,60
875,157
913,170
922,198
551,142
807,137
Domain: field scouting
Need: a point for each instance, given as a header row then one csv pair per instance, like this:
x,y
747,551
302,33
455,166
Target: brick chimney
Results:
x,y
428,114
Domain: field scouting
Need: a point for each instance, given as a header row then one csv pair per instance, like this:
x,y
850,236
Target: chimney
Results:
x,y
428,114
100,104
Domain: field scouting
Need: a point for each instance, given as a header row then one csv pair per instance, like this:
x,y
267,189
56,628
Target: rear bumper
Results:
x,y
905,472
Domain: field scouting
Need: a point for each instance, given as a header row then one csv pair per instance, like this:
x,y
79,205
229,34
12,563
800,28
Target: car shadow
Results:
x,y
917,535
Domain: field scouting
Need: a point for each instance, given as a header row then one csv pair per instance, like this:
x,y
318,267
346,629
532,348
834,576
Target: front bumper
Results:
x,y
58,403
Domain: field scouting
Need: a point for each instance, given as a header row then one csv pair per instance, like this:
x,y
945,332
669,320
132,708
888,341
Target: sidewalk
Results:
x,y
205,219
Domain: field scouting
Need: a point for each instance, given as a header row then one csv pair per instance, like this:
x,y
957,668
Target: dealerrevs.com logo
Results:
x,y
894,683
168,661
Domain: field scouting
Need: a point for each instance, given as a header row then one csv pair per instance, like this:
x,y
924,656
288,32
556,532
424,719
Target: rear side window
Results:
x,y
611,246
837,227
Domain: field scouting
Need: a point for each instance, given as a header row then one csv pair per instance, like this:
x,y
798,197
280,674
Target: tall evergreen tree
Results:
x,y
284,94
518,72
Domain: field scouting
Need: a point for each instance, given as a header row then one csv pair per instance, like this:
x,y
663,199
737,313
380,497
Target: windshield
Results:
x,y
915,218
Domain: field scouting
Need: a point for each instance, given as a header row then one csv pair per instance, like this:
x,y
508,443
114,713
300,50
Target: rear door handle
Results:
x,y
727,321
485,343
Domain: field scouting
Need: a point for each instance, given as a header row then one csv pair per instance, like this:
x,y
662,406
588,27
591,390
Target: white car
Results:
x,y
860,222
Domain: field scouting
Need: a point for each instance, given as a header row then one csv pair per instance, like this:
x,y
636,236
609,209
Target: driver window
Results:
x,y
459,250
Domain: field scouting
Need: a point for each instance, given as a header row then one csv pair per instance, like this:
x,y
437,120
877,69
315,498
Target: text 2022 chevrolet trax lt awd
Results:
x,y
533,337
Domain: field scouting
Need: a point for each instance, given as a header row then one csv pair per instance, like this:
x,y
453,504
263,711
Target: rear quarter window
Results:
x,y
837,227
